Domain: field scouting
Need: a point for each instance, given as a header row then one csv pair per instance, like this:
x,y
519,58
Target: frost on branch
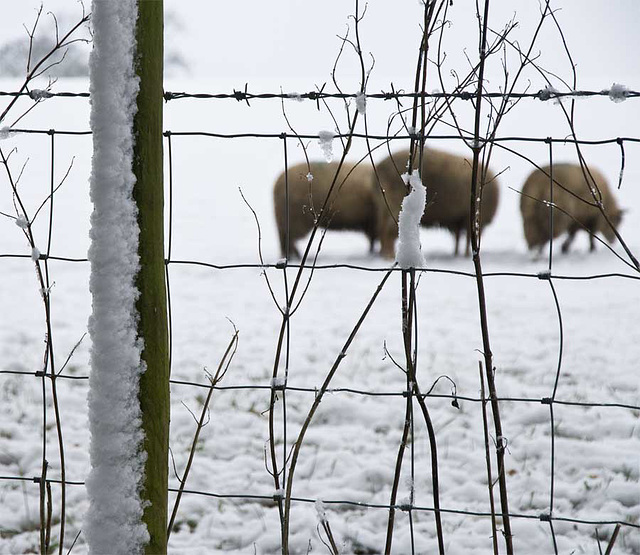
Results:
x,y
325,139
361,103
21,222
409,249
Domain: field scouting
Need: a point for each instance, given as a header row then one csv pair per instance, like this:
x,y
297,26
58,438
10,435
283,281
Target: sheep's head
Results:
x,y
615,217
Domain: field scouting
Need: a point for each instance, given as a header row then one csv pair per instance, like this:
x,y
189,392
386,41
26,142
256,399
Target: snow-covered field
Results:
x,y
349,452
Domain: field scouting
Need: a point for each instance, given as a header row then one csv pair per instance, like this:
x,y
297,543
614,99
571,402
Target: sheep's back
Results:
x,y
351,203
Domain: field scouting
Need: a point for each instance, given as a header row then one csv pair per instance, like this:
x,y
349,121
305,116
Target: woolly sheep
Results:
x,y
448,180
570,191
351,207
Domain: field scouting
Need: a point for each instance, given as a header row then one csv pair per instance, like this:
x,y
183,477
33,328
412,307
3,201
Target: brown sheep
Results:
x,y
352,204
447,178
570,190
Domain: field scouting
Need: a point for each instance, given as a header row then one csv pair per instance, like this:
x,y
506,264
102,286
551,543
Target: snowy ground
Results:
x,y
350,449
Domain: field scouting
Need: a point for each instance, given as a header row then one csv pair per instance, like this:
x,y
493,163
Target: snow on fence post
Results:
x,y
129,380
152,304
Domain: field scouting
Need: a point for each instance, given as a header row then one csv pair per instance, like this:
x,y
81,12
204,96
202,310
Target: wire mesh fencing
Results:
x,y
275,398
486,403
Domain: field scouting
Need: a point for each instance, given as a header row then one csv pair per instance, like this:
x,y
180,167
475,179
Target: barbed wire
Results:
x,y
614,93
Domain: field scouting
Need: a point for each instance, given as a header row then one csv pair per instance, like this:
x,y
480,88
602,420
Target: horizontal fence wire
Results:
x,y
350,390
542,275
544,517
398,137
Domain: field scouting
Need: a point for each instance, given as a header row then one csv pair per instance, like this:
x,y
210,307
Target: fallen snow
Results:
x,y
113,520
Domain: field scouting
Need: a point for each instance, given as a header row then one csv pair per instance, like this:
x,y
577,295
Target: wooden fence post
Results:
x,y
152,306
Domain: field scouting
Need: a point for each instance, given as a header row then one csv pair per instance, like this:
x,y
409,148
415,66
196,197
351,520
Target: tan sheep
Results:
x,y
570,190
351,207
448,181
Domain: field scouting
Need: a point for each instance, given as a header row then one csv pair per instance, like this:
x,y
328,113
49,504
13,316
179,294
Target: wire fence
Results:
x,y
290,410
280,391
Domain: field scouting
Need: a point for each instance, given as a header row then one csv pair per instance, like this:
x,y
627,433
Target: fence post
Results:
x,y
152,306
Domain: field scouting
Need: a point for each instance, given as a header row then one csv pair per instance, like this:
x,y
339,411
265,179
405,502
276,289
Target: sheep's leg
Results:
x,y
388,231
467,248
292,250
372,242
567,242
457,240
592,242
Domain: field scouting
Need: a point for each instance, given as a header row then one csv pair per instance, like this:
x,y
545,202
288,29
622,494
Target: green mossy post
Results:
x,y
152,304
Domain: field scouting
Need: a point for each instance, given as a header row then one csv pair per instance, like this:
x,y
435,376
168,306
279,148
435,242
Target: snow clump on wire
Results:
x,y
409,250
39,94
6,132
549,92
325,139
618,93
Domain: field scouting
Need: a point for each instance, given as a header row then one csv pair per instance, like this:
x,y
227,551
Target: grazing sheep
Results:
x,y
570,190
352,204
448,181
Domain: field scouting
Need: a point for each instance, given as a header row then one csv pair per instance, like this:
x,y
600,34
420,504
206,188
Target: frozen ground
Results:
x,y
350,449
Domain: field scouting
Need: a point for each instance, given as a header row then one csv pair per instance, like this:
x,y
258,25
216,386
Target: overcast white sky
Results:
x,y
297,38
